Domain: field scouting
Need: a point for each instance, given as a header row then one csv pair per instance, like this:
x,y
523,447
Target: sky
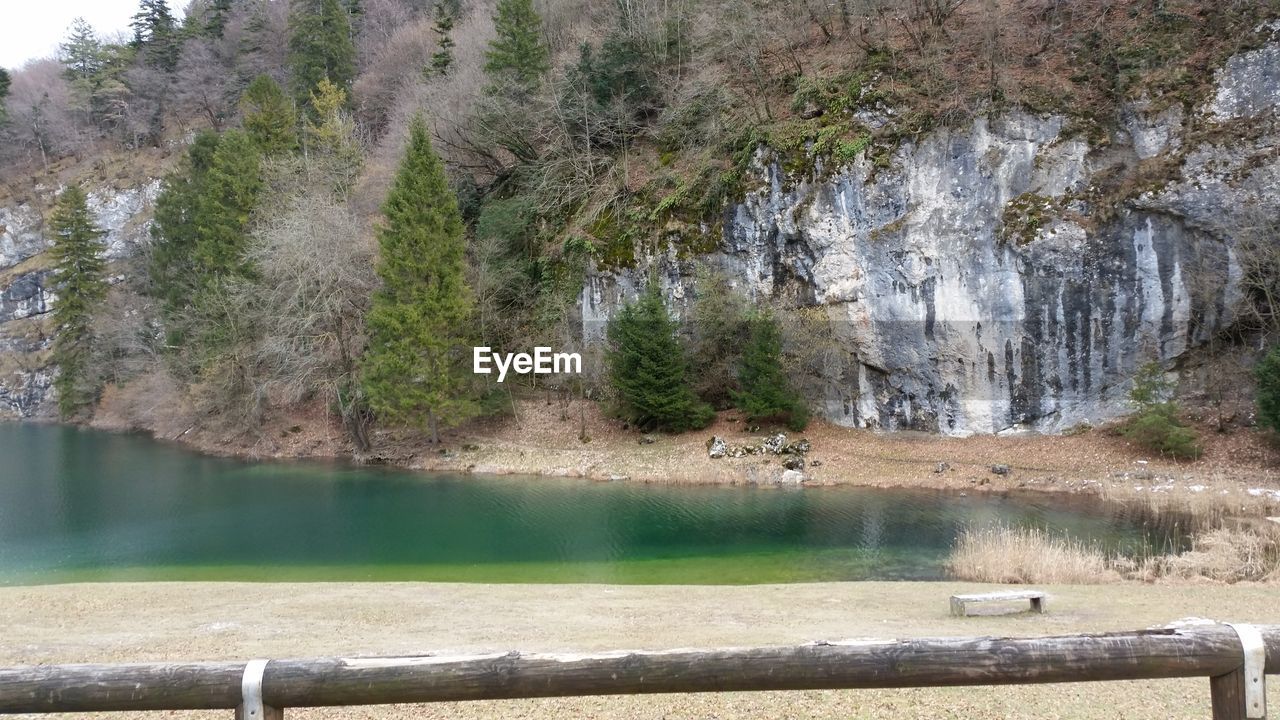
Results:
x,y
33,28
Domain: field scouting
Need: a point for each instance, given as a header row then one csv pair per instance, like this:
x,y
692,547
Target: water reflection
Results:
x,y
77,504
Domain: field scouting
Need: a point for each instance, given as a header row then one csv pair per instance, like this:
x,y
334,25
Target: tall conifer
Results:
x,y
79,279
765,391
228,198
647,367
415,369
518,57
319,47
269,117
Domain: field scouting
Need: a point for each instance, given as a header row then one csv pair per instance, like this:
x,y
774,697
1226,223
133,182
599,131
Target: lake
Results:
x,y
79,505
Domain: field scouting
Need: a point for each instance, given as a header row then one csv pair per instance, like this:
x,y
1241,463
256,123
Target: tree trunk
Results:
x,y
435,427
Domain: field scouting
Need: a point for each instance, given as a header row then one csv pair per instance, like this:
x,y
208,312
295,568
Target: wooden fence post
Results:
x,y
1227,694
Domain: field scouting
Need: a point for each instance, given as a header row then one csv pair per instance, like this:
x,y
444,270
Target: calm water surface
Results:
x,y
85,505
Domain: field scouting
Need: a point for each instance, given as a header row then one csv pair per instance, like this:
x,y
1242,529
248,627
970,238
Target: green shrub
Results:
x,y
1157,428
1156,425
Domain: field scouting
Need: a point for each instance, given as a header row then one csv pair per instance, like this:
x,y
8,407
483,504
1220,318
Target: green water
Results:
x,y
84,505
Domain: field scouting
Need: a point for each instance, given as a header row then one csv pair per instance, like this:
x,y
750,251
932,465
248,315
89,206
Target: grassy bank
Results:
x,y
211,621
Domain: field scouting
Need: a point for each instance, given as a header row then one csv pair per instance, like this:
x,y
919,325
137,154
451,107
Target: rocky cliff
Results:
x,y
26,298
1012,274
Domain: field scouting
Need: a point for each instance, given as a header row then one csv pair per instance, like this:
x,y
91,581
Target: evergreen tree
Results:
x,y
269,117
331,144
319,47
78,275
175,231
1267,374
4,93
229,194
215,19
155,33
201,224
648,369
443,56
518,58
765,391
1156,426
82,54
416,367
720,320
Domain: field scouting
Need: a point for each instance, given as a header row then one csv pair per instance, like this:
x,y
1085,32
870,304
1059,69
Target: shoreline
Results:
x,y
1239,472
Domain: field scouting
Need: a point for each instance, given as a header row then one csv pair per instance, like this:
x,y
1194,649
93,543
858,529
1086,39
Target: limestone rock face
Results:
x,y
27,295
984,282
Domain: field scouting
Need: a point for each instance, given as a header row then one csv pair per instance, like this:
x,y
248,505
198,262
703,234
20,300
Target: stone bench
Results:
x,y
960,603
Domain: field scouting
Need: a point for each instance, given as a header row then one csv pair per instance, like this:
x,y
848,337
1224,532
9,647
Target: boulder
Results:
x,y
716,447
799,447
794,462
792,477
774,444
999,469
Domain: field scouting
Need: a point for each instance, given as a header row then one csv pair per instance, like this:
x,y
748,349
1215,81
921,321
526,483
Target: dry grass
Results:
x,y
1249,553
1206,501
142,622
1027,555
1224,555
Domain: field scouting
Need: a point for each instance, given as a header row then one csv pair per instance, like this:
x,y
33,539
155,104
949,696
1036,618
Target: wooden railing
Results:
x,y
259,690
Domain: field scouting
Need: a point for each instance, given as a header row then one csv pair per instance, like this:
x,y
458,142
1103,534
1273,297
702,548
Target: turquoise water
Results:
x,y
85,505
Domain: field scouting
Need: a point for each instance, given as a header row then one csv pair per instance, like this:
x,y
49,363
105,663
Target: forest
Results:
x,y
357,192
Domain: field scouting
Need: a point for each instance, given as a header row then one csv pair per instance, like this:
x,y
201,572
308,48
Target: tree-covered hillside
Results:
x,y
359,190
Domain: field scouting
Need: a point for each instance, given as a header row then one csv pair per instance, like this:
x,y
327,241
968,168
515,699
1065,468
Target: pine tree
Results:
x,y
227,199
319,47
518,58
765,391
155,33
174,232
647,367
82,55
269,117
331,144
415,370
215,19
443,56
78,275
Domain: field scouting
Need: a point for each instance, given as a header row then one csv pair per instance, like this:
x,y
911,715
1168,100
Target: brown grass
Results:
x,y
1019,555
1227,555
1027,555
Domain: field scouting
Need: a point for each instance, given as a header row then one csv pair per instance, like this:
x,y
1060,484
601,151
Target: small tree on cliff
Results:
x,y
415,368
647,367
765,391
79,278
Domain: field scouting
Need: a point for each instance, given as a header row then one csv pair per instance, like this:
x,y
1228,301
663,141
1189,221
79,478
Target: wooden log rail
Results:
x,y
1210,651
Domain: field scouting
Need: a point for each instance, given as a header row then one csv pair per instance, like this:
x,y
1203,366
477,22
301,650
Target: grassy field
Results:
x,y
116,622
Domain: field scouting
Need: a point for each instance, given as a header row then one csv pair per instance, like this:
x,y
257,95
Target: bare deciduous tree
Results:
x,y
315,265
42,119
